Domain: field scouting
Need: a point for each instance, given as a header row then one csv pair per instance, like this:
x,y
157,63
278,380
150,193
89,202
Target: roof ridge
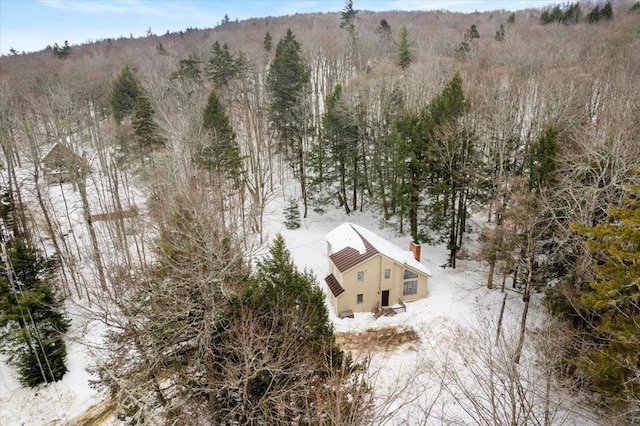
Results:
x,y
367,245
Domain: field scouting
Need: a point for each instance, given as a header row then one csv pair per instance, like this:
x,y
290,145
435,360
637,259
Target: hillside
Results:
x,y
508,146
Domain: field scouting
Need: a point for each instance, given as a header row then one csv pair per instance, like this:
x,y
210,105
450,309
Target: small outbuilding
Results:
x,y
368,273
63,164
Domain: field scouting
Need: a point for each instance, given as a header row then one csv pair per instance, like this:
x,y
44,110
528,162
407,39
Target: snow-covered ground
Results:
x,y
413,382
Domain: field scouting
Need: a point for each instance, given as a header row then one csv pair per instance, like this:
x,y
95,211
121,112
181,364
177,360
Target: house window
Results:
x,y
410,287
360,275
359,298
409,274
387,274
410,283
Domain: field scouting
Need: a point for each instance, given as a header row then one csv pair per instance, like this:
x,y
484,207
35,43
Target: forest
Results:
x,y
174,148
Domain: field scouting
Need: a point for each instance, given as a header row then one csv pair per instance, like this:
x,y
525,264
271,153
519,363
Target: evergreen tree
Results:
x,y
556,14
385,41
348,16
300,371
188,69
145,130
223,67
635,7
543,158
500,33
384,30
278,284
412,165
221,153
268,42
404,54
594,16
292,215
125,89
613,365
288,83
348,22
473,33
31,315
435,156
465,45
607,11
161,50
453,146
512,18
338,165
572,14
62,52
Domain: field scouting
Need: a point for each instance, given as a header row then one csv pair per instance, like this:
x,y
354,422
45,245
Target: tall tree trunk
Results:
x,y
499,327
526,296
343,187
452,232
303,178
86,212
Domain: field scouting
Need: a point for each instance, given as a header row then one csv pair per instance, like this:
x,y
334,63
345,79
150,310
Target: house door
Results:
x,y
385,298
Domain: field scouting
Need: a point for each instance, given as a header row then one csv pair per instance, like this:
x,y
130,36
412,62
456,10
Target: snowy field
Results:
x,y
425,381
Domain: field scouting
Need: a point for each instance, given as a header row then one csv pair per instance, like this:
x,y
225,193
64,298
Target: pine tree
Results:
x,y
31,315
384,30
607,11
453,146
188,69
385,41
338,165
278,284
292,215
125,89
145,130
348,16
404,54
594,16
572,14
543,158
288,83
62,52
221,152
161,50
348,22
500,33
614,299
435,155
268,42
473,33
295,370
224,67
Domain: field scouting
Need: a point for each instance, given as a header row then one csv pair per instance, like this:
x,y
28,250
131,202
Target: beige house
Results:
x,y
367,272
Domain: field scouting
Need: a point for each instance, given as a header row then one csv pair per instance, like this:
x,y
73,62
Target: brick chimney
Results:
x,y
415,248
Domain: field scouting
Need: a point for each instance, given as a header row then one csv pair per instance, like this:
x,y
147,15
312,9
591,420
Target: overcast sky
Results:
x,y
31,25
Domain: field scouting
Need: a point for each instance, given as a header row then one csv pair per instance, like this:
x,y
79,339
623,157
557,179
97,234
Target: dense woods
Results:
x,y
529,122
